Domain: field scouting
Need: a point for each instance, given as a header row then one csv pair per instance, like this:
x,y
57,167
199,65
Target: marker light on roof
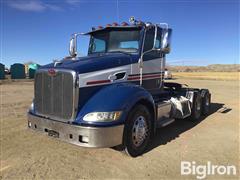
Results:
x,y
124,24
108,25
132,20
140,23
100,27
115,24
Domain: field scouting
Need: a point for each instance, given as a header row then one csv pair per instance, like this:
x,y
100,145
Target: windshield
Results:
x,y
115,40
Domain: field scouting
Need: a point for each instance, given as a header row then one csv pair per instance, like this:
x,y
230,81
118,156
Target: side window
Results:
x,y
149,39
157,44
158,40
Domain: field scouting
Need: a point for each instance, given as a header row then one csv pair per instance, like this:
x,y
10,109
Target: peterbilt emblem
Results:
x,y
52,72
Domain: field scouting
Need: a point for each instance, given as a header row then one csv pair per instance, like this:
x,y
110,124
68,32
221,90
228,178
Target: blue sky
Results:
x,y
204,31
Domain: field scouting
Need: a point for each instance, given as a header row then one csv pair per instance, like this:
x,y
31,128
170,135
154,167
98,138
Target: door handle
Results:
x,y
117,76
120,75
112,77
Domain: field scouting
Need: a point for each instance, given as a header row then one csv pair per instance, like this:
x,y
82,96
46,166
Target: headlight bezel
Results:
x,y
102,116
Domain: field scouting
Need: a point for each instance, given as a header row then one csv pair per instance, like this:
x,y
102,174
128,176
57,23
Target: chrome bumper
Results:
x,y
78,135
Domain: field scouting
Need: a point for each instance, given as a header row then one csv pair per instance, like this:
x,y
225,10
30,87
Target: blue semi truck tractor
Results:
x,y
116,95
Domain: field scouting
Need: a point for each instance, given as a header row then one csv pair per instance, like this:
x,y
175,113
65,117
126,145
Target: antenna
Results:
x,y
117,12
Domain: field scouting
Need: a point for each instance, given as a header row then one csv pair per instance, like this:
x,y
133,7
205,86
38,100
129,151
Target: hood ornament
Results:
x,y
56,62
52,72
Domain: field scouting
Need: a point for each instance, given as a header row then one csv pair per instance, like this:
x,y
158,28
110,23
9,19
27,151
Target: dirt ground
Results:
x,y
208,75
29,155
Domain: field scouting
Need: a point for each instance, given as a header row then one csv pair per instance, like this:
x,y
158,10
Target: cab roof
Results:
x,y
100,28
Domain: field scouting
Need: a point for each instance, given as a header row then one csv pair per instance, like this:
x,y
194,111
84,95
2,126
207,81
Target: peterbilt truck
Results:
x,y
116,95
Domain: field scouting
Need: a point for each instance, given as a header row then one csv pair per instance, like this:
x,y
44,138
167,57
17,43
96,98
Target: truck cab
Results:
x,y
115,95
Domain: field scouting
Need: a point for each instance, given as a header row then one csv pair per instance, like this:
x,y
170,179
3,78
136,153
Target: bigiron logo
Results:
x,y
202,171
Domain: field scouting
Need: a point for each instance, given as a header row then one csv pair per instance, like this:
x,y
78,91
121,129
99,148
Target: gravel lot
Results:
x,y
28,155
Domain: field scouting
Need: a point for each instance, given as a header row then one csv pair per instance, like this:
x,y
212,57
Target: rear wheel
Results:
x,y
196,106
137,131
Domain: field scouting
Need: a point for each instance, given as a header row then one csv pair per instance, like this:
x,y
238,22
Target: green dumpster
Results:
x,y
17,71
32,69
2,71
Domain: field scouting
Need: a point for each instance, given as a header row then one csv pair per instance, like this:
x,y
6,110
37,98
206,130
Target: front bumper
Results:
x,y
78,135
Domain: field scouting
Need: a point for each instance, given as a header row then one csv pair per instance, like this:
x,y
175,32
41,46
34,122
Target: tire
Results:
x,y
137,131
196,107
206,102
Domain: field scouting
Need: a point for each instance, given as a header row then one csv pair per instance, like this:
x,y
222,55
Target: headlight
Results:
x,y
102,116
31,108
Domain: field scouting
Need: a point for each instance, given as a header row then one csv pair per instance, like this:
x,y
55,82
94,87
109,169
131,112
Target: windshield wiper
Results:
x,y
129,54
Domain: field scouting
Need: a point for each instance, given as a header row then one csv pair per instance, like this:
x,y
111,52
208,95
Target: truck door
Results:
x,y
153,62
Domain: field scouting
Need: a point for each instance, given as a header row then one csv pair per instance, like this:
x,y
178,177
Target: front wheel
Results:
x,y
137,131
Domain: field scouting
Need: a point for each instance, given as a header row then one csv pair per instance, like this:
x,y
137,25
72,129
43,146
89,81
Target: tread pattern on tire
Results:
x,y
129,147
205,94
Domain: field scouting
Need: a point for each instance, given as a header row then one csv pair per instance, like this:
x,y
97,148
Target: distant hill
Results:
x,y
209,68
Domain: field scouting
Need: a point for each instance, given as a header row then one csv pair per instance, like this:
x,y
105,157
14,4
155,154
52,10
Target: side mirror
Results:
x,y
165,43
166,40
72,47
162,43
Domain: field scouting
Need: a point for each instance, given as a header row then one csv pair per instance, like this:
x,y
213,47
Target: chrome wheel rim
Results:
x,y
139,131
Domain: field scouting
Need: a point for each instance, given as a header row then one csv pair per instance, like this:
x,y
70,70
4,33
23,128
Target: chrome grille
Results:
x,y
55,95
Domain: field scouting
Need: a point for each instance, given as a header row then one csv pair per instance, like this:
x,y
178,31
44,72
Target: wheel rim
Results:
x,y
139,131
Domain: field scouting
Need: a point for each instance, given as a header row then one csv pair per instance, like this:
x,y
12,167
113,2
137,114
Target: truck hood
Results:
x,y
94,62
